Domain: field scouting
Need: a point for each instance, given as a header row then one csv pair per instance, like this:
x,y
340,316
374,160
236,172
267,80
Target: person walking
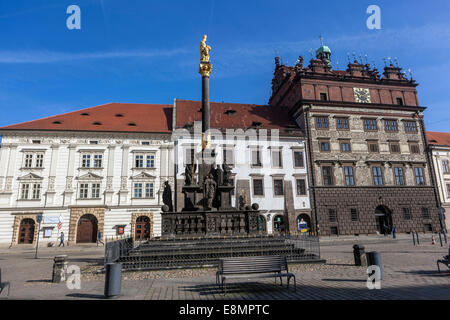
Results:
x,y
61,239
99,238
394,232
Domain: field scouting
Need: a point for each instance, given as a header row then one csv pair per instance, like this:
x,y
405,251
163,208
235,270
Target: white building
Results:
x,y
94,170
270,171
440,150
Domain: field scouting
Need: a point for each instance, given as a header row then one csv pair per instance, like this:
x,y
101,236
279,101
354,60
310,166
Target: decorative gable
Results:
x,y
30,176
89,176
143,176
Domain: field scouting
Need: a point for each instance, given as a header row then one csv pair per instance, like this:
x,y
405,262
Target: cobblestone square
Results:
x,y
409,273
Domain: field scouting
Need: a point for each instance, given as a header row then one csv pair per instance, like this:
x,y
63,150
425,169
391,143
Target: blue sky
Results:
x,y
147,51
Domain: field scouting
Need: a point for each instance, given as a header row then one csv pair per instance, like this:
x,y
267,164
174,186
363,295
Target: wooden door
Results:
x,y
26,231
142,231
87,229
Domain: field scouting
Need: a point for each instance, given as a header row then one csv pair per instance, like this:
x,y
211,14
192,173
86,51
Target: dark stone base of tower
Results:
x,y
406,208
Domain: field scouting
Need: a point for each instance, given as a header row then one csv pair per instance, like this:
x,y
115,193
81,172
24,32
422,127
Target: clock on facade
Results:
x,y
362,95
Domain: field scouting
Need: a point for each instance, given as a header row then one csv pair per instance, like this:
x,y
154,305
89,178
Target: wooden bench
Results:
x,y
253,267
444,261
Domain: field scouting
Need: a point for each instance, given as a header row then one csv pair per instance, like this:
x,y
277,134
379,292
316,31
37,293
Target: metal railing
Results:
x,y
191,252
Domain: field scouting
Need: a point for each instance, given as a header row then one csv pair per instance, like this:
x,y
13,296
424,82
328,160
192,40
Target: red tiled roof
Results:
x,y
110,117
245,116
438,138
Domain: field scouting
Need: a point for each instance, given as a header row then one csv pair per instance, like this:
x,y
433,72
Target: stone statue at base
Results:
x,y
167,195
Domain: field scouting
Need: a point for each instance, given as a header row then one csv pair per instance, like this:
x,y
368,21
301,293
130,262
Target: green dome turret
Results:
x,y
324,53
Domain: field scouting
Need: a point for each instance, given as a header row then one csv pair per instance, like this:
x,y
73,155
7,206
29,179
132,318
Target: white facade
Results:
x,y
61,175
243,169
441,162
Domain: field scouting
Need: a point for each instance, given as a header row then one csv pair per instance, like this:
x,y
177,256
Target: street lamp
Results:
x,y
39,220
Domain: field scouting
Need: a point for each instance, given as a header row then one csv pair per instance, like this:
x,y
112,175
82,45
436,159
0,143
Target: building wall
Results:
x,y
440,154
62,173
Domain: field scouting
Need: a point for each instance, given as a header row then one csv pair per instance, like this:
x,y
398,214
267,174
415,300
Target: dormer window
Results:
x,y
323,96
400,101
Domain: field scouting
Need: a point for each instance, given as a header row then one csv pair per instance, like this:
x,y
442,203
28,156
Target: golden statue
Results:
x,y
205,66
204,50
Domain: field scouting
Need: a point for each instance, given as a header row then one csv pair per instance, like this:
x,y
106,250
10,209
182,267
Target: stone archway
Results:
x,y
77,213
135,216
16,228
87,228
383,219
301,220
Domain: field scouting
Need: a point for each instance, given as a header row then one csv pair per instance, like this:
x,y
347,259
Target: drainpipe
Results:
x,y
311,167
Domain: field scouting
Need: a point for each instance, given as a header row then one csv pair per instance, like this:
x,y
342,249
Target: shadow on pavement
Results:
x,y
86,296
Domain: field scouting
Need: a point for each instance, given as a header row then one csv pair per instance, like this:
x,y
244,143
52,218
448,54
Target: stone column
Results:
x,y
68,192
11,168
50,194
3,164
123,193
109,191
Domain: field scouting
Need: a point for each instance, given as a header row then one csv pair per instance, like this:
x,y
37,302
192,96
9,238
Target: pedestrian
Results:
x,y
385,229
99,238
394,232
61,239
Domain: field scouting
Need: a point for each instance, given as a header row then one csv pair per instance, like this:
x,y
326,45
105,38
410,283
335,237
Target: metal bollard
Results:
x,y
374,259
113,279
414,239
417,236
440,239
59,269
359,255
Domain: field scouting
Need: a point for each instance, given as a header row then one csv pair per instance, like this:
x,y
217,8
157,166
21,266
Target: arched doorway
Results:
x,y
303,223
278,223
262,223
26,231
87,229
142,230
383,218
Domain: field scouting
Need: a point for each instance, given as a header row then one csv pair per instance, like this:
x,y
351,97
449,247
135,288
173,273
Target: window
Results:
x,y
332,215
399,101
85,160
228,156
414,148
150,160
28,160
323,96
24,191
448,190
301,187
324,146
36,141
84,190
256,158
377,176
277,161
327,174
391,125
298,159
278,187
399,176
342,124
345,146
34,160
410,127
95,190
394,147
426,213
349,177
418,172
143,190
93,142
372,146
139,161
145,143
445,166
36,191
98,160
321,122
258,187
407,214
370,125
354,214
